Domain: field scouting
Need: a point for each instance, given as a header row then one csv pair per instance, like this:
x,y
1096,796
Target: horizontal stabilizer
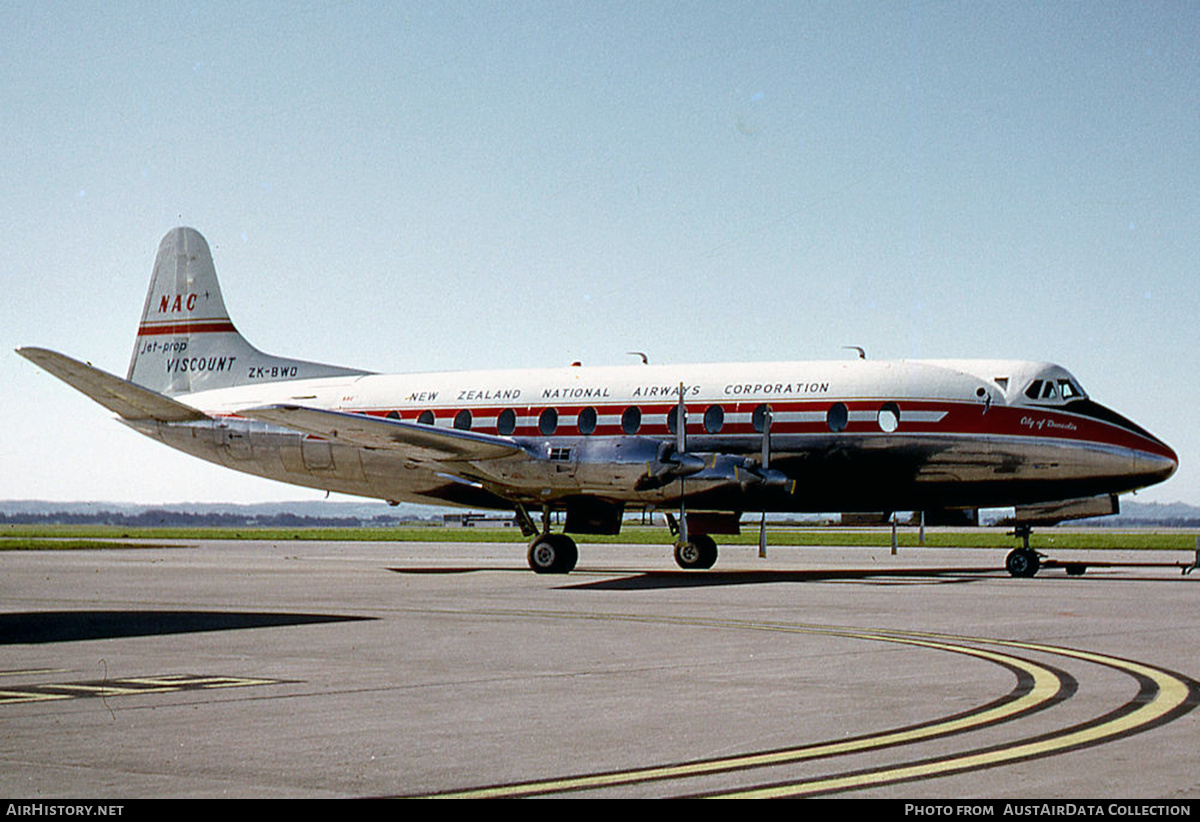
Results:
x,y
129,401
414,439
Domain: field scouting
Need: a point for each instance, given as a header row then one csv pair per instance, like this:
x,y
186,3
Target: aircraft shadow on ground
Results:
x,y
634,580
35,627
652,580
617,579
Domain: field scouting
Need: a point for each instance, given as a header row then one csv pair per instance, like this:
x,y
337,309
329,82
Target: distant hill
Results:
x,y
1150,514
309,514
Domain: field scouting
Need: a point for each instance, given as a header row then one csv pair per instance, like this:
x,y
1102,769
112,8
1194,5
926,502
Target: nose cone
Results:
x,y
1153,460
1156,464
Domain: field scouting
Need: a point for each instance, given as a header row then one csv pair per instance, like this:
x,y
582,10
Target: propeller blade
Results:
x,y
681,449
766,464
681,423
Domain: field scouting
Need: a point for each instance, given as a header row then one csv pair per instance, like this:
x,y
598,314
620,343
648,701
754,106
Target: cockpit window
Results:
x,y
1068,390
1057,390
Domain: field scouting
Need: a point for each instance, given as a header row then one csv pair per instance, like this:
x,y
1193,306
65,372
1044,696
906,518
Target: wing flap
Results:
x,y
418,441
124,398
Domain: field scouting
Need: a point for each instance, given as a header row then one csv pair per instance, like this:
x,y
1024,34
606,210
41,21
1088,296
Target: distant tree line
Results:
x,y
1142,522
159,518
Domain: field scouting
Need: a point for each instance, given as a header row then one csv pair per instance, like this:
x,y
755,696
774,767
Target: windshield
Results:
x,y
1054,390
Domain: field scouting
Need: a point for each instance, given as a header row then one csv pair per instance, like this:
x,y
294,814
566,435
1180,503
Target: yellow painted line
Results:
x,y
1171,694
129,686
1046,686
95,690
168,681
15,697
214,682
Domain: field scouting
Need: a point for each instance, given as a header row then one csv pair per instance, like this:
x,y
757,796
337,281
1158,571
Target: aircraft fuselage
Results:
x,y
852,436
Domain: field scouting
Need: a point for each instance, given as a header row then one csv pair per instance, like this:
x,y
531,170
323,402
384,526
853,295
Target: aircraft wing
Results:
x,y
416,440
129,401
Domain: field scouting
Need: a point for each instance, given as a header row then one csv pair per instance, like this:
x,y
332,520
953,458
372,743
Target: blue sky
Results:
x,y
426,186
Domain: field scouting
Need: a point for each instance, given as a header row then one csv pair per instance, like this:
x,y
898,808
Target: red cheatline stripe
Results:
x,y
199,327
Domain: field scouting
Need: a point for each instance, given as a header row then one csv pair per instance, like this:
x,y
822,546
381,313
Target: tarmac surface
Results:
x,y
309,669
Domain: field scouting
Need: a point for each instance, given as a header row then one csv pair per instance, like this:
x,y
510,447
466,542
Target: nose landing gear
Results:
x,y
1023,561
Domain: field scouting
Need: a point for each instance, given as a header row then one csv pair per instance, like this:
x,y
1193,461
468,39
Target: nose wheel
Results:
x,y
1023,561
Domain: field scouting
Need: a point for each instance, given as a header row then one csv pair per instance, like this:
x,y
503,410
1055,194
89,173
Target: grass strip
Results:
x,y
76,537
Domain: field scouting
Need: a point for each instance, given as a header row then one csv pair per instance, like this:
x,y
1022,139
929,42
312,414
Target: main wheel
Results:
x,y
1022,562
697,553
553,554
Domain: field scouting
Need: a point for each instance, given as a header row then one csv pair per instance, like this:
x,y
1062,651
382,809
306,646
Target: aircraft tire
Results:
x,y
698,553
1022,562
553,554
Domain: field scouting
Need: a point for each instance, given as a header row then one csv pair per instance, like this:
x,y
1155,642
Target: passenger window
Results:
x,y
506,423
462,420
393,415
714,419
587,421
426,418
838,417
889,417
548,422
631,419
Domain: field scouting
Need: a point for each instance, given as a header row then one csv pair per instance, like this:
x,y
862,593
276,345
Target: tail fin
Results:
x,y
186,341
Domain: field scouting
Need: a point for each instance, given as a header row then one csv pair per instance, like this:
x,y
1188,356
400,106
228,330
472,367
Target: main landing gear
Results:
x,y
699,552
557,553
548,553
552,554
693,552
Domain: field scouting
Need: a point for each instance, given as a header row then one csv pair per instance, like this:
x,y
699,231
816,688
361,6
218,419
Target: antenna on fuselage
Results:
x,y
862,355
645,359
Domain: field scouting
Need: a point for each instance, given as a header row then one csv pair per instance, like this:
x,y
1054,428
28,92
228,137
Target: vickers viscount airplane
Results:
x,y
708,441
